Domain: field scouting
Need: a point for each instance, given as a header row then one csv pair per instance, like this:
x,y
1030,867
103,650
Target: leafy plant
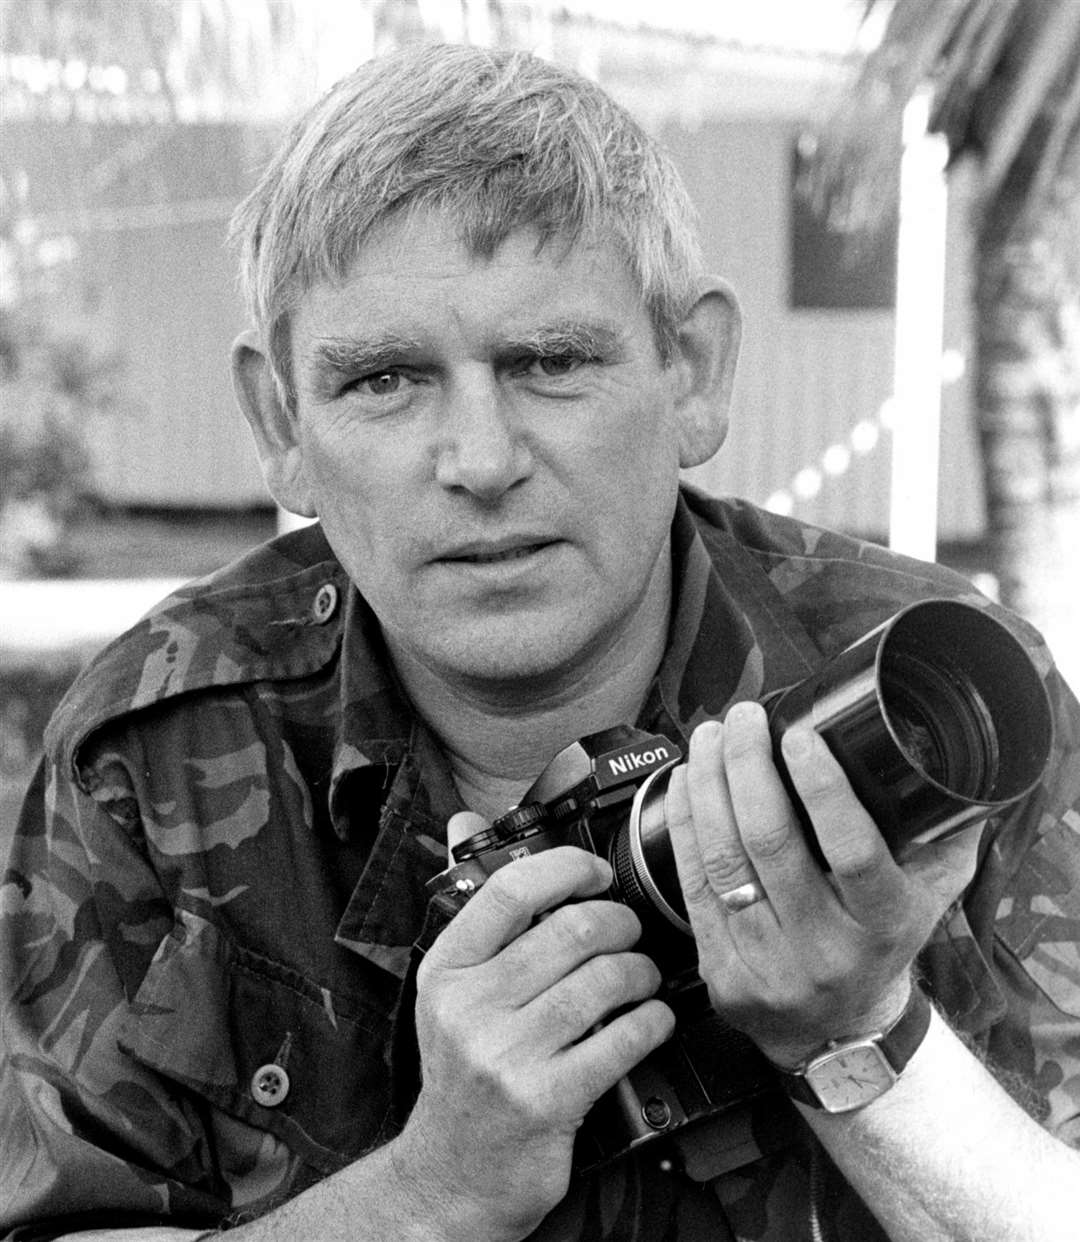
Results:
x,y
54,392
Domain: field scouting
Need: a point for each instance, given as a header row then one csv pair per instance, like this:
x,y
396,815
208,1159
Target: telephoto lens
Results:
x,y
938,718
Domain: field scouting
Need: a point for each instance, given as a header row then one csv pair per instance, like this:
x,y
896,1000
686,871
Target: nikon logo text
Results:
x,y
633,761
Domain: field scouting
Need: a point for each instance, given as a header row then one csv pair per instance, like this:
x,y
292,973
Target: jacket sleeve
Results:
x,y
87,1135
1036,945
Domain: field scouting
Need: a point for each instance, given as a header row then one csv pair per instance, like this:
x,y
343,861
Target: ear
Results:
x,y
705,357
273,426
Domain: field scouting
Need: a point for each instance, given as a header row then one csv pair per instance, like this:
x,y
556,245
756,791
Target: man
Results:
x,y
484,347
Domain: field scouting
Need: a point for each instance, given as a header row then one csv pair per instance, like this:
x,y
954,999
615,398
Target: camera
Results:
x,y
937,717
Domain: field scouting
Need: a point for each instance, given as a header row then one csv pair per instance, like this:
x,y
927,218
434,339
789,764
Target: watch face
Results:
x,y
850,1077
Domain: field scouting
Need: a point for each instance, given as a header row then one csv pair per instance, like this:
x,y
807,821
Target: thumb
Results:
x,y
463,825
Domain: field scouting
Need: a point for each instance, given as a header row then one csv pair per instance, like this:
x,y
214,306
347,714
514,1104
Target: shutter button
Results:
x,y
325,602
269,1085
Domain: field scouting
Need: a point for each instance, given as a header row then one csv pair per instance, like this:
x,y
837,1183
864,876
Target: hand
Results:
x,y
507,1003
826,954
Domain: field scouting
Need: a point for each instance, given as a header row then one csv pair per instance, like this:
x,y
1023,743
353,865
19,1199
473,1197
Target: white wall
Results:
x,y
808,377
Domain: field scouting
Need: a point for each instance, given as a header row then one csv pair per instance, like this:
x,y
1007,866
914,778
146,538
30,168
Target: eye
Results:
x,y
552,366
378,383
558,364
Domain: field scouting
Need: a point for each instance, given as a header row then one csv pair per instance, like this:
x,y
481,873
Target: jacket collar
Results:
x,y
273,615
733,636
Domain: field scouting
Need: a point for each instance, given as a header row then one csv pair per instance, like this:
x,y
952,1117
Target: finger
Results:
x,y
698,895
706,913
869,882
562,942
767,824
462,826
512,898
566,1012
724,859
599,1061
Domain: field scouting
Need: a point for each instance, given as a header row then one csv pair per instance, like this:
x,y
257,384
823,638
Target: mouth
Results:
x,y
496,557
496,552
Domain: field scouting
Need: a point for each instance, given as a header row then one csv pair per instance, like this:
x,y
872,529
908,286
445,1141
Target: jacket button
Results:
x,y
325,603
269,1085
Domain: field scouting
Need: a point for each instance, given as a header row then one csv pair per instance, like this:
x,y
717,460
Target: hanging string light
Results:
x,y
836,460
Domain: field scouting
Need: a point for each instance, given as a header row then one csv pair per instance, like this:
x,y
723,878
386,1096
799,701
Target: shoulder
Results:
x,y
837,586
275,614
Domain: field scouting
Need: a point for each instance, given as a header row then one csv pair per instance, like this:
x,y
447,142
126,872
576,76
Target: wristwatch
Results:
x,y
849,1074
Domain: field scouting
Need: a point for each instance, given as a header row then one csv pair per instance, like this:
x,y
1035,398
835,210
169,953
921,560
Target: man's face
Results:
x,y
491,446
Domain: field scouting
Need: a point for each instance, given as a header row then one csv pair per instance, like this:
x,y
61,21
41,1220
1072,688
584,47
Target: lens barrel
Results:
x,y
938,718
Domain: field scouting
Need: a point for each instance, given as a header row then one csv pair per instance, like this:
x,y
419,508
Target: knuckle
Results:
x,y
854,859
441,1009
739,747
617,978
604,976
820,783
638,1032
575,925
825,966
508,891
766,836
499,1081
697,890
509,1085
724,868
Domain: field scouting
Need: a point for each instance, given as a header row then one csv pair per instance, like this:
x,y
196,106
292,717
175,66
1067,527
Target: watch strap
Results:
x,y
898,1045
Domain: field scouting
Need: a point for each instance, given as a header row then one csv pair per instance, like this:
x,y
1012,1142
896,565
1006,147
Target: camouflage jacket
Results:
x,y
218,878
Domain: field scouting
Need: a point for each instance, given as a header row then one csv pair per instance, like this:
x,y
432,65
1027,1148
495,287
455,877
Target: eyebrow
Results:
x,y
333,357
350,356
570,336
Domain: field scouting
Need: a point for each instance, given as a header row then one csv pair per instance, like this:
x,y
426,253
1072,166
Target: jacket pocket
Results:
x,y
263,1044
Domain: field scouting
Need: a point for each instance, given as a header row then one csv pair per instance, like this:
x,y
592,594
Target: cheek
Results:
x,y
360,477
638,465
634,507
360,503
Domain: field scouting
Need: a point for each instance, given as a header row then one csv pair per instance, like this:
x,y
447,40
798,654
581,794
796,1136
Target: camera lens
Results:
x,y
646,876
938,718
941,723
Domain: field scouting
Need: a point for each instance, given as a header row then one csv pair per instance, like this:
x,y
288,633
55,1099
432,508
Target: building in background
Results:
x,y
125,149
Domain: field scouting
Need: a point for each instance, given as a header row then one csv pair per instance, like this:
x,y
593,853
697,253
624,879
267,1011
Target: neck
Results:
x,y
495,754
499,738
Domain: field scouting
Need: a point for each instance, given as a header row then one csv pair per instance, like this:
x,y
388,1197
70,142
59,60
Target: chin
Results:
x,y
514,657
524,669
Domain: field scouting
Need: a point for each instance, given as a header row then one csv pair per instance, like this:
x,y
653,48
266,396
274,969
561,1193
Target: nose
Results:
x,y
482,448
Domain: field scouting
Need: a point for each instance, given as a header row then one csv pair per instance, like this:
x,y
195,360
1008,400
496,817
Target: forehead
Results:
x,y
415,274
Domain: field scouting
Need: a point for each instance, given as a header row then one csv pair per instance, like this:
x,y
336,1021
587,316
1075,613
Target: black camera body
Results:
x,y
588,796
584,797
938,718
